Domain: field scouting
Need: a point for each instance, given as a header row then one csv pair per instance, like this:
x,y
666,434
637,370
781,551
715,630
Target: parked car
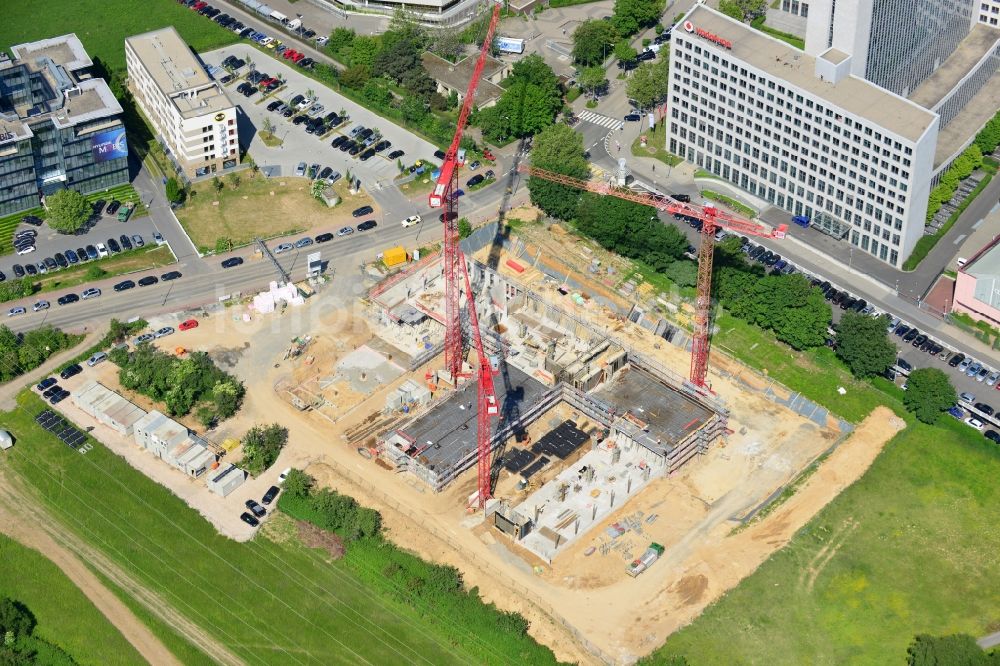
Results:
x,y
126,242
992,435
145,337
113,246
475,180
345,231
412,220
249,519
71,371
170,275
257,509
367,224
271,493
284,247
13,312
188,324
364,210
147,280
67,299
46,384
232,261
323,238
984,408
164,332
39,306
973,422
91,292
303,242
124,285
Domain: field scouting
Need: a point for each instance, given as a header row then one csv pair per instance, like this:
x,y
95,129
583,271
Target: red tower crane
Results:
x,y
711,219
455,262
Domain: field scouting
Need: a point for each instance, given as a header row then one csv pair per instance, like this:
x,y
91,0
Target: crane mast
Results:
x,y
454,263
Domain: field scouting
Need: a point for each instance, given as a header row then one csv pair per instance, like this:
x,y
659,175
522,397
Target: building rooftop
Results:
x,y
178,73
53,70
447,433
975,113
980,41
985,268
665,416
852,94
456,76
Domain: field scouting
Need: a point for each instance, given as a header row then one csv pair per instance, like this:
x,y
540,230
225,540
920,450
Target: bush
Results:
x,y
181,384
94,272
15,289
20,353
464,228
175,193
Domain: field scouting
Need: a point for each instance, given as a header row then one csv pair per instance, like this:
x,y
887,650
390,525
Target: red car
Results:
x,y
189,324
198,5
298,56
289,53
488,155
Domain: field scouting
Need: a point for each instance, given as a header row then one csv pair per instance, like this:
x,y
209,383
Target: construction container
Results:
x,y
394,256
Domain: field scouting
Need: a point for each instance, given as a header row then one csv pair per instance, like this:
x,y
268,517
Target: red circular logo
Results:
x,y
689,26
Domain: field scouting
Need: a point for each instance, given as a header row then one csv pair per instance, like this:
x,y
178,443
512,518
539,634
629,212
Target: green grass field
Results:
x,y
103,26
65,616
912,549
268,602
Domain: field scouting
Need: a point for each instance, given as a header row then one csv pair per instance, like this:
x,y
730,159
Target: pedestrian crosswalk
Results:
x,y
598,119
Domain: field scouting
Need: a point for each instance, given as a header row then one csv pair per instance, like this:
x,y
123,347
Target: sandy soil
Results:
x,y
579,598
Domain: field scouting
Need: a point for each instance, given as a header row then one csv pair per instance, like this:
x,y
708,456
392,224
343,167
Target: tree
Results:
x,y
18,288
68,211
355,76
447,43
234,180
298,484
864,345
413,108
954,650
592,42
217,184
592,79
630,229
261,446
630,15
398,61
743,10
624,52
227,396
15,618
377,94
364,50
559,149
174,192
928,393
340,39
648,83
464,228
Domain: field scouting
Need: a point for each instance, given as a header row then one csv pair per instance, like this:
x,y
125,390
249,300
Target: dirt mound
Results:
x,y
691,588
314,537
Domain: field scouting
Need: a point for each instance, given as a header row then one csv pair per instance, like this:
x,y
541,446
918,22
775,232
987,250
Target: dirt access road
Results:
x,y
23,519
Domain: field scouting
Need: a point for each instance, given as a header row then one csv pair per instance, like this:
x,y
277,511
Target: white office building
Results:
x,y
190,111
801,132
989,12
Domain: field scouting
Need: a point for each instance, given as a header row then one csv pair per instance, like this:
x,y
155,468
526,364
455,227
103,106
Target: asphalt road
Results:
x,y
342,254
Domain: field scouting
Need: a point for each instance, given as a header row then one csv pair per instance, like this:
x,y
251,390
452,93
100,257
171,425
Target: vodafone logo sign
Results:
x,y
705,34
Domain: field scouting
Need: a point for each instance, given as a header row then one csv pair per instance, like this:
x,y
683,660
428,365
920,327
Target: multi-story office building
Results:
x,y
989,12
194,118
801,132
895,44
59,126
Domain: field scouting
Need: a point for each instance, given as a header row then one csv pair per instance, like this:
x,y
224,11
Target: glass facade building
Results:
x,y
59,127
909,39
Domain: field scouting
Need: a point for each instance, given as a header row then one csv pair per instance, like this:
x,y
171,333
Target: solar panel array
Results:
x,y
561,441
61,428
517,459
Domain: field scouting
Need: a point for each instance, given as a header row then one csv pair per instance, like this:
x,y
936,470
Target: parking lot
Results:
x,y
48,242
376,174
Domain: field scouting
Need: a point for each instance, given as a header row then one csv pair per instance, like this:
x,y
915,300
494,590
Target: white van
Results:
x,y
99,357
